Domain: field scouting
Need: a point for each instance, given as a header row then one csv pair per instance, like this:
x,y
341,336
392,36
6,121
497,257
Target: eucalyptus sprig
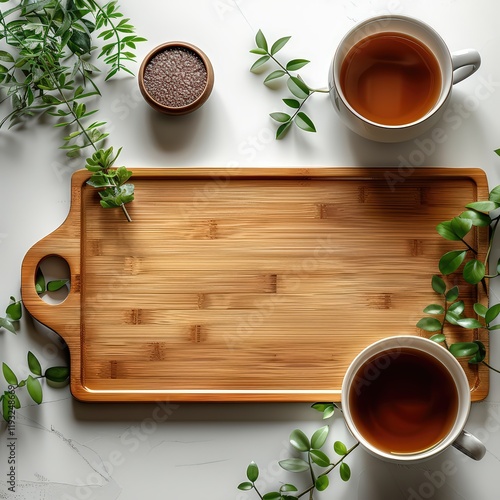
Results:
x,y
316,463
483,215
55,375
10,401
13,314
300,90
47,67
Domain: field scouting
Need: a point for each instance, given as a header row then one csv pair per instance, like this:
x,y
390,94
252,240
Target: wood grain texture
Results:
x,y
249,284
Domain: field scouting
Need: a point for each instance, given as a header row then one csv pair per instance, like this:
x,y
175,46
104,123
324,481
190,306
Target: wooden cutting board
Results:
x,y
257,284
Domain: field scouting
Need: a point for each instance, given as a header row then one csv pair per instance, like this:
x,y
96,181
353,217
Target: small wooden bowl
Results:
x,y
163,107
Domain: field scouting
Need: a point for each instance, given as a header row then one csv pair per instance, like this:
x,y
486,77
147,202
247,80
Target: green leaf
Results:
x,y
252,472
345,472
340,448
319,458
460,226
328,409
480,310
469,323
34,364
446,231
245,486
288,487
279,44
438,284
57,373
296,64
282,130
304,122
39,281
322,483
483,206
9,375
480,354
452,294
294,465
258,51
6,411
34,389
495,195
492,313
259,62
7,324
457,307
115,197
451,261
292,103
122,175
463,349
297,87
6,57
438,338
80,43
453,317
274,75
17,403
318,439
299,440
474,271
55,285
273,495
280,117
434,309
478,218
429,324
260,40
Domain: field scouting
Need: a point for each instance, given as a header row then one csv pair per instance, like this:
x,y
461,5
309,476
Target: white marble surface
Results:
x,y
69,450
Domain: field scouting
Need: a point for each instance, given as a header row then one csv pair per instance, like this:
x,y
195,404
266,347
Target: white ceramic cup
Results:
x,y
457,436
454,68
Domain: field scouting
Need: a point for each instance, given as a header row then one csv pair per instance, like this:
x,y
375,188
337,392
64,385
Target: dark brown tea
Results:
x,y
391,78
403,401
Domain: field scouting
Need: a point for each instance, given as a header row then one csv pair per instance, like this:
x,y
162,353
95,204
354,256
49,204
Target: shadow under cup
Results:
x,y
405,399
406,62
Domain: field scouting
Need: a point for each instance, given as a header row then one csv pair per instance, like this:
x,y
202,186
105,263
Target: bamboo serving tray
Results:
x,y
257,284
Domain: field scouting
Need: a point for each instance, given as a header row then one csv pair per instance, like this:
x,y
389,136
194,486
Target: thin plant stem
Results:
x,y
490,367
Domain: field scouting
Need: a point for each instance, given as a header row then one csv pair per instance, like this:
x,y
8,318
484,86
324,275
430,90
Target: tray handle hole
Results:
x,y
52,279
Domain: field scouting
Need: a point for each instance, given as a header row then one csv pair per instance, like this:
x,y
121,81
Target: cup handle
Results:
x,y
470,445
465,63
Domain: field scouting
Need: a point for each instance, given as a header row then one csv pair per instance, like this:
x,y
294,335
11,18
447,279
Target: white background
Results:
x,y
69,450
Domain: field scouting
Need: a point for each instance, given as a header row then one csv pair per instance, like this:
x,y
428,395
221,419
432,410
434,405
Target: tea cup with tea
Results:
x,y
406,399
392,76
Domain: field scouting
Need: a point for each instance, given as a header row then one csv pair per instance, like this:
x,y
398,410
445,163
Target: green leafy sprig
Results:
x,y
316,463
451,312
13,313
484,216
481,214
300,90
56,375
113,25
9,400
114,190
47,68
